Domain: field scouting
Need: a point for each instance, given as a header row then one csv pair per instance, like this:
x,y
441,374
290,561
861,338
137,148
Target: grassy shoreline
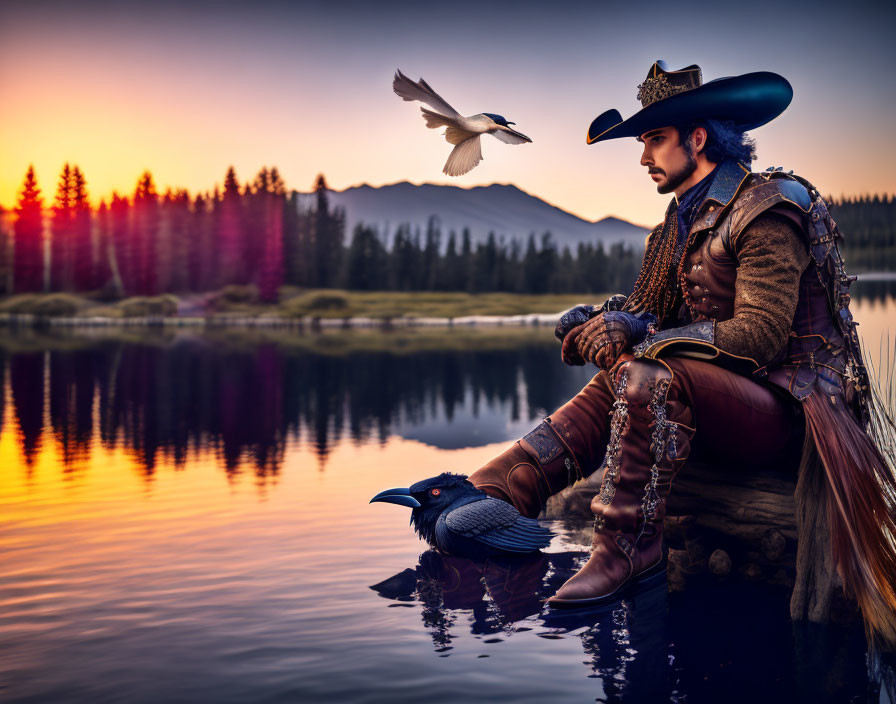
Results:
x,y
294,304
329,342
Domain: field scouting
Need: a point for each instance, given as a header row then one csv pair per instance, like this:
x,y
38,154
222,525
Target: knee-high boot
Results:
x,y
649,441
568,445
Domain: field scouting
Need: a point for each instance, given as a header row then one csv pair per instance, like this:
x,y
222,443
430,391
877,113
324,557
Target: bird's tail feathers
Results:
x,y
464,157
455,135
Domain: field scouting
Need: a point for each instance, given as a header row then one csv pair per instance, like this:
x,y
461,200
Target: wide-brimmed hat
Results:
x,y
677,97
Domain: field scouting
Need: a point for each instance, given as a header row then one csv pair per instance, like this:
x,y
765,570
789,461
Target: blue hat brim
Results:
x,y
748,101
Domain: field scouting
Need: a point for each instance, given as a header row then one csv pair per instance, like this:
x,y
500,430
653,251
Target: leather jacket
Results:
x,y
821,348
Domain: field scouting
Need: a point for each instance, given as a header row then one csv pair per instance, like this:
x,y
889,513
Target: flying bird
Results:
x,y
454,516
463,132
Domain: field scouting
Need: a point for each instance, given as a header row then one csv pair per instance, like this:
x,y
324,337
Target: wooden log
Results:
x,y
742,505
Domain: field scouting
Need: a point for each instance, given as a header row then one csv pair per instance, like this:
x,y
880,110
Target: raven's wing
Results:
x,y
509,136
405,88
496,523
464,157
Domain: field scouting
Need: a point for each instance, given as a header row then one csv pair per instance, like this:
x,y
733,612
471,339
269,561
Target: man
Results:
x,y
736,338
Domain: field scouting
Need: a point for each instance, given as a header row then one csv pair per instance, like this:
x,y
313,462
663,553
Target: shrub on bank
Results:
x,y
43,304
148,306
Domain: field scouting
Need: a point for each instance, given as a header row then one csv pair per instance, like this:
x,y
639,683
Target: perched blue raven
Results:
x,y
454,516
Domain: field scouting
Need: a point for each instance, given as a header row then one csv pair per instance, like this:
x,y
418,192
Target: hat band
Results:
x,y
657,88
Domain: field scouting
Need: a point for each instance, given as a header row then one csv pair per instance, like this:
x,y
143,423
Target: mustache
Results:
x,y
654,170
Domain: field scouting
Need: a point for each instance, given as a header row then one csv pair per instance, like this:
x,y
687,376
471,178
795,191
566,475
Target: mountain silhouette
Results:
x,y
500,208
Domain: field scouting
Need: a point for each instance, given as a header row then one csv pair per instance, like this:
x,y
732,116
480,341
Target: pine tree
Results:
x,y
272,193
6,253
60,243
485,265
175,242
123,243
256,216
294,251
564,280
547,263
448,270
466,261
145,235
28,269
108,278
231,264
202,243
508,265
430,257
531,272
81,236
367,261
327,237
405,260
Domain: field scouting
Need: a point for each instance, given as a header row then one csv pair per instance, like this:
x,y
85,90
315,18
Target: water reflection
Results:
x,y
875,288
190,588
716,642
171,398
498,591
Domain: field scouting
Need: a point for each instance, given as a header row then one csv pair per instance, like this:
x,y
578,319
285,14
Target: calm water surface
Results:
x,y
185,518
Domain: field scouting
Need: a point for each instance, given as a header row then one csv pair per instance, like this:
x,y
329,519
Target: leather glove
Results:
x,y
603,339
569,351
582,313
573,318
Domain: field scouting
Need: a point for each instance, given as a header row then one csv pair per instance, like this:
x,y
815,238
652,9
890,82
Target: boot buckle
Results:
x,y
625,545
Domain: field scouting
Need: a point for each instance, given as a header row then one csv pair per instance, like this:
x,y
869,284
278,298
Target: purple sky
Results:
x,y
185,89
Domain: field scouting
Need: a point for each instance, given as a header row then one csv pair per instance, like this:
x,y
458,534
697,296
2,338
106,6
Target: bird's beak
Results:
x,y
511,123
397,496
518,134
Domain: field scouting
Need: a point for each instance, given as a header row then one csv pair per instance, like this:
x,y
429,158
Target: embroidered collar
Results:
x,y
729,175
726,179
726,182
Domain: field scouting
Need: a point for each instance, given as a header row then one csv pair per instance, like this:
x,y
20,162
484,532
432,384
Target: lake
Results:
x,y
184,517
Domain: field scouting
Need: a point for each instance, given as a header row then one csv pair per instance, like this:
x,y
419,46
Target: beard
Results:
x,y
674,180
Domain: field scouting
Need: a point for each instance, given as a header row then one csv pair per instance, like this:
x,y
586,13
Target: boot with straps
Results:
x,y
650,433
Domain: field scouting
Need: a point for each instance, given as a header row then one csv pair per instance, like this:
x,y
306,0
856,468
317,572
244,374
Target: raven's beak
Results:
x,y
397,496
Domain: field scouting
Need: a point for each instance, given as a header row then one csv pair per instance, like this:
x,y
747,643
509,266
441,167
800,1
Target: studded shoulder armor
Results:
x,y
772,190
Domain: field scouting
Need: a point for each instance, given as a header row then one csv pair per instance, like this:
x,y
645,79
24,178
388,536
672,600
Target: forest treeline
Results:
x,y
258,233
868,224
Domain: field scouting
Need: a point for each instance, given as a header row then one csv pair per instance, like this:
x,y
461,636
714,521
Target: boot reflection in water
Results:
x,y
640,417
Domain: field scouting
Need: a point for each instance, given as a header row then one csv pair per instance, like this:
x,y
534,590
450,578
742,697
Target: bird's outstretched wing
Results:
x,y
464,157
509,136
498,524
405,88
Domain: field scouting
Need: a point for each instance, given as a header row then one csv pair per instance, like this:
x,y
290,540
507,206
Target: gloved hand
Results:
x,y
582,313
573,318
604,338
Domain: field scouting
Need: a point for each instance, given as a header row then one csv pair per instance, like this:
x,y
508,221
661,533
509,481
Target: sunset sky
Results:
x,y
186,89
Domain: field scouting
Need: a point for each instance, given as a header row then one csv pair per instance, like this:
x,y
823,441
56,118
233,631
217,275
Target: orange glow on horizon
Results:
x,y
185,105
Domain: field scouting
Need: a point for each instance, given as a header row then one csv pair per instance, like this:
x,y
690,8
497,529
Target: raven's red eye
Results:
x,y
435,492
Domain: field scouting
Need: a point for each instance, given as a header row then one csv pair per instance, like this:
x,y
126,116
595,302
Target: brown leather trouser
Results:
x,y
737,423
644,418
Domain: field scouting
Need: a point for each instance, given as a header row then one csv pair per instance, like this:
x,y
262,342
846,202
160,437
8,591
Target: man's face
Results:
x,y
668,162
